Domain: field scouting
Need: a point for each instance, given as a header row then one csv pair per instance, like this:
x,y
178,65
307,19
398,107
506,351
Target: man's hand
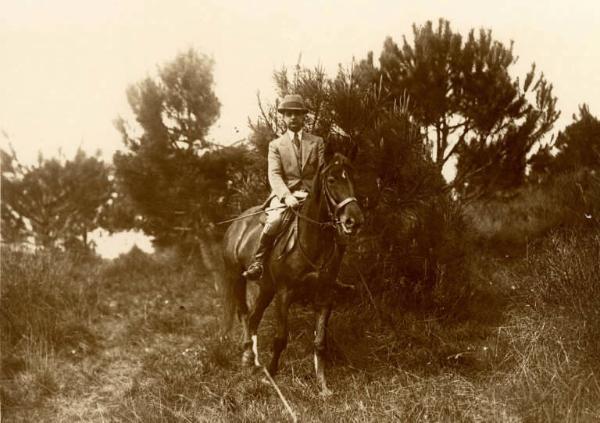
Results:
x,y
291,201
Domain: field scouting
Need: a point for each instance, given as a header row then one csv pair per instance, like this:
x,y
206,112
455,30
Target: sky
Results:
x,y
65,65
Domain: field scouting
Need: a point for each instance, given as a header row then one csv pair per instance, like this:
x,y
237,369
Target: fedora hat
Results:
x,y
292,102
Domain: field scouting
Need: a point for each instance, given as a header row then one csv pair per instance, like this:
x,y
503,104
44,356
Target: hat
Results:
x,y
292,102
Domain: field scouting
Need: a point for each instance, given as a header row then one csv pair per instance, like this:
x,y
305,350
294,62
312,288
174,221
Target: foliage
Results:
x,y
44,296
462,95
525,351
579,144
568,274
48,299
175,181
427,102
576,147
57,202
396,181
511,223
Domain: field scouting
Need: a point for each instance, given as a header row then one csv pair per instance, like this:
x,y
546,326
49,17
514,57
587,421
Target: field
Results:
x,y
137,339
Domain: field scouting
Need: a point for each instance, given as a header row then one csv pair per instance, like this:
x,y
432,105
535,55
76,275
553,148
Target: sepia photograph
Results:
x,y
317,211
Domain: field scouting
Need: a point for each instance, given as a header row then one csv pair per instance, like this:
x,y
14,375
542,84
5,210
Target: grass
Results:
x,y
137,340
533,211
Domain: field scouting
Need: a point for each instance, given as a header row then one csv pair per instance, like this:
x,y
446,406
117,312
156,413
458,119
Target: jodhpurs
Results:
x,y
277,213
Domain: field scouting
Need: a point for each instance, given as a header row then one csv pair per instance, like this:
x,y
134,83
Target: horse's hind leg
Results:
x,y
323,313
265,295
282,302
241,307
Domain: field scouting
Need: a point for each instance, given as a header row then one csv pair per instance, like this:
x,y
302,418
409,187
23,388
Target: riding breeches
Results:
x,y
277,213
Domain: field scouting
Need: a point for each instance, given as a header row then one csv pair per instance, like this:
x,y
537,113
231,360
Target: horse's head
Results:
x,y
338,189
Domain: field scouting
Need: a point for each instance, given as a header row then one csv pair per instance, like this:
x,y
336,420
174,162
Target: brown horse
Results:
x,y
326,221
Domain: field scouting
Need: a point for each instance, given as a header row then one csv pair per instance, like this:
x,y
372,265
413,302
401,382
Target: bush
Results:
x,y
123,270
547,351
46,297
417,254
567,277
531,212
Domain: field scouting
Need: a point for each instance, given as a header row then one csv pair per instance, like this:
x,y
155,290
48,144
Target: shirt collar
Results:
x,y
291,134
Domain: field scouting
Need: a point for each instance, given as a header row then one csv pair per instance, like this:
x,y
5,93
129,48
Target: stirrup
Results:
x,y
254,271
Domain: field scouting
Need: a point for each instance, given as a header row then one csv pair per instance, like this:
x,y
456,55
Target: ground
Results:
x,y
154,353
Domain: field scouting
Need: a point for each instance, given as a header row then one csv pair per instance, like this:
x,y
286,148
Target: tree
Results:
x,y
396,181
57,202
176,181
579,144
464,98
576,147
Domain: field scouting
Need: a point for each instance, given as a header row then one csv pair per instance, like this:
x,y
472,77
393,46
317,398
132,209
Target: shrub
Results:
x,y
46,297
531,212
567,281
417,254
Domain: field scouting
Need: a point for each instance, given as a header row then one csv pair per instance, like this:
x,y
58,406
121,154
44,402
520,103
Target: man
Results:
x,y
293,161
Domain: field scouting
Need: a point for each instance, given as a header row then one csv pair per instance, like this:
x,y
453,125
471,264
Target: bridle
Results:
x,y
333,209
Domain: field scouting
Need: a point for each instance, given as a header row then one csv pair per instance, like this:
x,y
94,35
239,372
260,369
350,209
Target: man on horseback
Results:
x,y
293,161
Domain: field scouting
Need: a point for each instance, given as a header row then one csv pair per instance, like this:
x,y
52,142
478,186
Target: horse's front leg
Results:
x,y
323,313
250,355
282,303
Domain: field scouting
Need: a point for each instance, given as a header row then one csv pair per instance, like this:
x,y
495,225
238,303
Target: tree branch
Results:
x,y
461,140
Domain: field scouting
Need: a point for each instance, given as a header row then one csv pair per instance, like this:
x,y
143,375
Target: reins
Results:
x,y
248,215
330,202
333,222
333,209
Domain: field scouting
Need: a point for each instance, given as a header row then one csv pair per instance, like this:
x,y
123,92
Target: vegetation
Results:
x,y
57,202
174,180
475,301
468,105
578,146
519,343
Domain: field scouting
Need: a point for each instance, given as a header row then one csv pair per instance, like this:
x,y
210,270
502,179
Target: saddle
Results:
x,y
288,233
288,236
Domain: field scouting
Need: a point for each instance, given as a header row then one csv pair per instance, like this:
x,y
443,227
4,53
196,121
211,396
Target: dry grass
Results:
x,y
531,212
520,345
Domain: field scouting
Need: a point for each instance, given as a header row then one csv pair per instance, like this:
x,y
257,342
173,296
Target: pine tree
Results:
x,y
462,95
57,202
174,180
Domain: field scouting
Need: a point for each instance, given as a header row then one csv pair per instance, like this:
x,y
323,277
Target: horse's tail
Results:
x,y
229,289
232,285
223,279
237,244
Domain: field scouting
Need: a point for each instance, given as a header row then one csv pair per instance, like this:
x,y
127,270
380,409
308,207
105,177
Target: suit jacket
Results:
x,y
285,173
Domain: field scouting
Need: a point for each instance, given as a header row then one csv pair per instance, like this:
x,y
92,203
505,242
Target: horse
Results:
x,y
327,220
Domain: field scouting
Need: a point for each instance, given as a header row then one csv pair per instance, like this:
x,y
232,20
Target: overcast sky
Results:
x,y
65,64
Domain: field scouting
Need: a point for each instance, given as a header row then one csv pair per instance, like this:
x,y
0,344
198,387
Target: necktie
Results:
x,y
298,148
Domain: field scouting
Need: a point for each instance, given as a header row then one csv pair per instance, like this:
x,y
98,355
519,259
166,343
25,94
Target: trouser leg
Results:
x,y
265,244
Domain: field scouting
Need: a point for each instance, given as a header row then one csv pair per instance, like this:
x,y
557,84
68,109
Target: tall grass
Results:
x,y
547,351
48,300
504,337
48,296
531,212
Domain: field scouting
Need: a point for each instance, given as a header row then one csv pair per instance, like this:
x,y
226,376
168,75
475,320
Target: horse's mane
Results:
x,y
317,182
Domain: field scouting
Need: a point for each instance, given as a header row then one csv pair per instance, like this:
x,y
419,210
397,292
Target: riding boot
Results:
x,y
265,244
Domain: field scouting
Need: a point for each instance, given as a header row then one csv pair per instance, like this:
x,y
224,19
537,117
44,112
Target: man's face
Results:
x,y
294,119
